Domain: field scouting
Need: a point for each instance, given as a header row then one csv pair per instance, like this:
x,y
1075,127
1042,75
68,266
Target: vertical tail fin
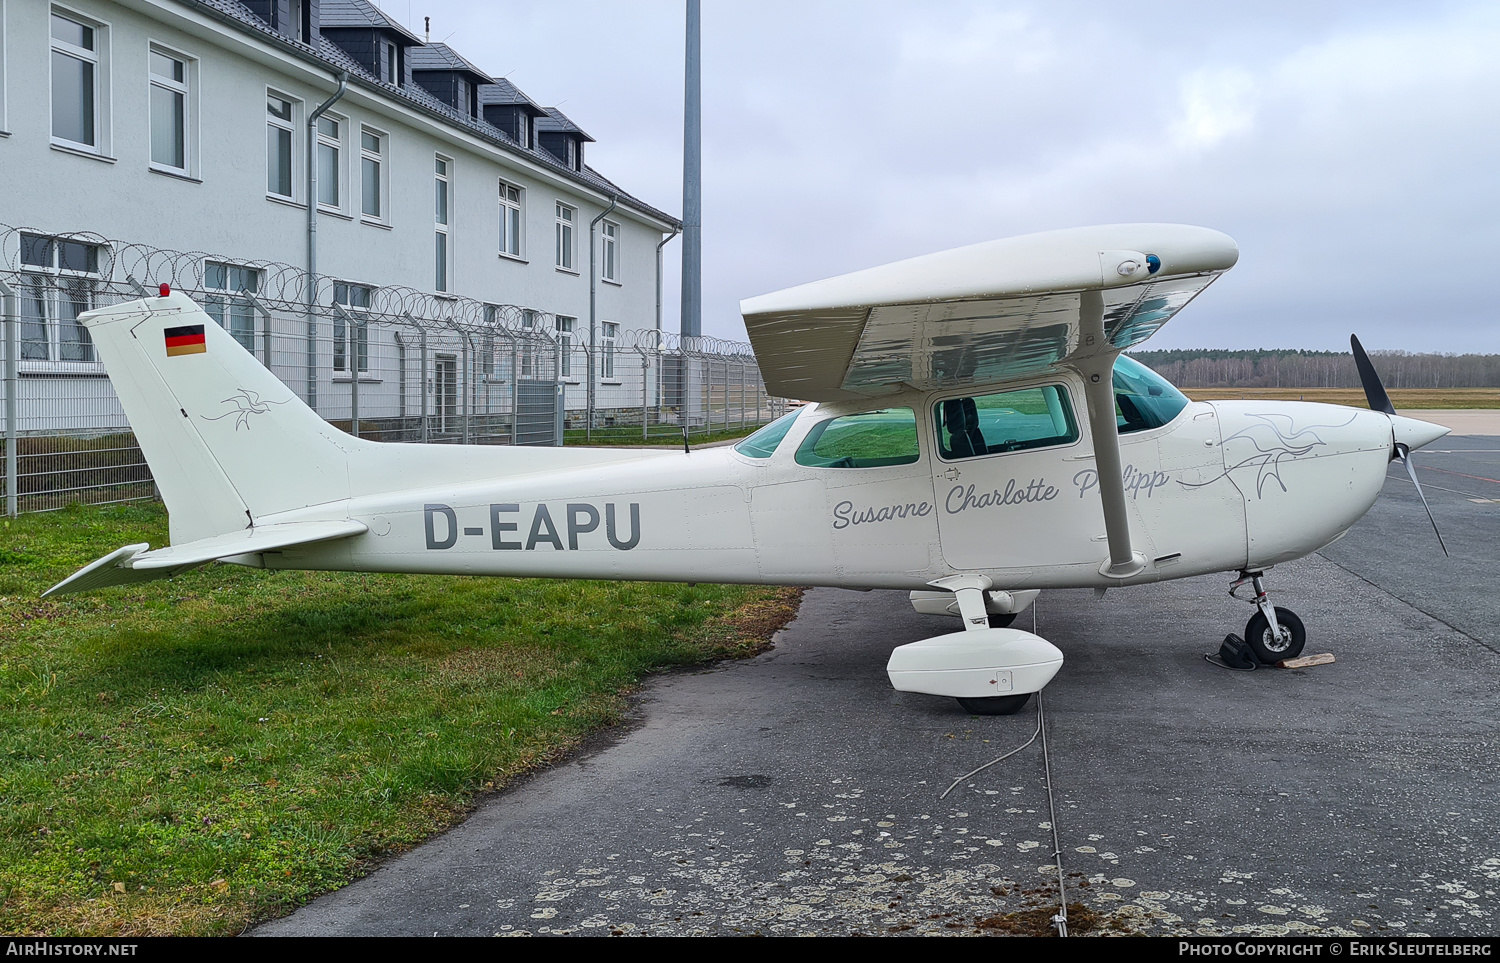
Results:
x,y
227,442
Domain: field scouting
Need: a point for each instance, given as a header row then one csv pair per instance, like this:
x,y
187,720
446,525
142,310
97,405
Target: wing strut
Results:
x,y
1096,362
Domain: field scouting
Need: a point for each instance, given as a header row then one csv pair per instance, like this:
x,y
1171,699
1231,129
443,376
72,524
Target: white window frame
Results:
x,y
357,312
512,221
291,126
53,296
609,333
563,326
567,238
339,144
188,88
99,58
609,253
442,215
230,305
382,161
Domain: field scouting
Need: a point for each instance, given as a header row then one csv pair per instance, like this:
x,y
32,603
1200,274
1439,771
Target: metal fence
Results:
x,y
384,363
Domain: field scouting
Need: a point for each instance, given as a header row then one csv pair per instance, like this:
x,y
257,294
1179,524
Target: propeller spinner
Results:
x,y
1404,438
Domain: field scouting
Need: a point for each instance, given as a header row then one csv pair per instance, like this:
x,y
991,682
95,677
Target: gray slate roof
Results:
x,y
235,14
359,13
503,91
440,56
557,120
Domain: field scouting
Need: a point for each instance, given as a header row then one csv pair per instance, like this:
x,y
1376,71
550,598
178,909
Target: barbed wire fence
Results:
x,y
389,364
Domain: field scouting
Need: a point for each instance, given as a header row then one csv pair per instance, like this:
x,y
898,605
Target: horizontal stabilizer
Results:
x,y
261,538
134,563
112,569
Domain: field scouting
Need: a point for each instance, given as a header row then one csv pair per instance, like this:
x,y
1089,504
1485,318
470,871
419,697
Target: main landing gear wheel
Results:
x,y
1269,647
995,705
1001,620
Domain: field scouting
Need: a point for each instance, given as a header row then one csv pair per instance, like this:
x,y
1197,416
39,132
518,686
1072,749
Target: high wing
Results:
x,y
984,314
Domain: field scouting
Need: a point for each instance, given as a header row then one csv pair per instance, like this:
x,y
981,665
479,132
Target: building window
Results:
x,y
372,179
330,153
609,331
565,219
58,285
442,201
609,269
356,301
392,71
280,127
564,327
169,110
232,309
510,220
79,94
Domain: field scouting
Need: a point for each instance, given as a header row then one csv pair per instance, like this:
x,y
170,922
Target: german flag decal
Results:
x,y
187,339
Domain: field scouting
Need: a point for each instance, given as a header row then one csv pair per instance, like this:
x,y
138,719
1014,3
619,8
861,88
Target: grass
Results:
x,y
1402,398
188,756
665,437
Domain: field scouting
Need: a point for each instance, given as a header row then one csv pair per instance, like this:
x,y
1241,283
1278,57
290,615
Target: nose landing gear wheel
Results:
x,y
1002,620
1269,647
995,705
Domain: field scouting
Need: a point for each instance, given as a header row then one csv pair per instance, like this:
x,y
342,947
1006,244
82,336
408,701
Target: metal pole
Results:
x,y
422,374
12,347
646,387
468,381
265,317
515,394
312,236
351,360
659,246
593,305
692,177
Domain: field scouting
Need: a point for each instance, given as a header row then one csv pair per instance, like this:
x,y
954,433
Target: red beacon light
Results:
x,y
165,289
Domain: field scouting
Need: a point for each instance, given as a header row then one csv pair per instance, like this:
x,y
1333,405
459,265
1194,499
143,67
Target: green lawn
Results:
x,y
188,756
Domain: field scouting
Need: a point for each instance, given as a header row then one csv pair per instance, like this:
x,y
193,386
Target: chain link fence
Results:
x,y
387,363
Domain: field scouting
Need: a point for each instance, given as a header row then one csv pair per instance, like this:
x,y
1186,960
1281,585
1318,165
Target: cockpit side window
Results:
x,y
763,443
870,439
1143,398
1037,417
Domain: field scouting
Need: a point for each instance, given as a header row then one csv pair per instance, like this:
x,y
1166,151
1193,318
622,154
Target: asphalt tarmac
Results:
x,y
798,793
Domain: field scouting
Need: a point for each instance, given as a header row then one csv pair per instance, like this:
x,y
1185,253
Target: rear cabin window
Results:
x,y
1143,398
763,443
1007,421
871,439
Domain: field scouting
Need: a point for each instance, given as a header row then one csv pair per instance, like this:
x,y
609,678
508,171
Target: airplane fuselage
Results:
x,y
1223,486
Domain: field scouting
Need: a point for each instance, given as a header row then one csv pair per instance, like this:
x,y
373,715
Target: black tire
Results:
x,y
995,705
1002,621
1271,650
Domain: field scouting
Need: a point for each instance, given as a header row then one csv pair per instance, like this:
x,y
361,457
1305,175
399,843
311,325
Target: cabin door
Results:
x,y
1007,474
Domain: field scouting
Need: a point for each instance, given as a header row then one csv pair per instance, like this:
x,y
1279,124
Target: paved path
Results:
x,y
797,793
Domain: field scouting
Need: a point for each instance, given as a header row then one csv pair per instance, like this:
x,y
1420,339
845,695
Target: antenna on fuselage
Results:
x,y
685,449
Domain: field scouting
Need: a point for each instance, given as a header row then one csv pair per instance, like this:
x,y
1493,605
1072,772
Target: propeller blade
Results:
x,y
1411,470
1374,390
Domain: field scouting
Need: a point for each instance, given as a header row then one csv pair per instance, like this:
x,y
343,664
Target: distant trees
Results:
x,y
1223,368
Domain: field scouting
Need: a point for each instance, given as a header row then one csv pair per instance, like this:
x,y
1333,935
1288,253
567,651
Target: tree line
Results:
x,y
1224,368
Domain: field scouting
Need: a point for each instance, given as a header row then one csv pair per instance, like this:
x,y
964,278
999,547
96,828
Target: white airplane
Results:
x,y
976,436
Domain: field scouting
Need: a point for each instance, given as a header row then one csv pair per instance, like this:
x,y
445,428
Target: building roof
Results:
x,y
360,13
333,59
503,91
440,56
556,120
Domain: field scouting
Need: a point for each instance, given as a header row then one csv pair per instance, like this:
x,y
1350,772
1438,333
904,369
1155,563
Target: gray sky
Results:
x,y
1352,149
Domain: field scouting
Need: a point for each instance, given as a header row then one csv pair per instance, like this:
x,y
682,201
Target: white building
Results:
x,y
210,125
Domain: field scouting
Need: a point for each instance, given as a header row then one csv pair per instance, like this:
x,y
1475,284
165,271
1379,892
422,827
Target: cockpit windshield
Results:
x,y
763,443
1143,398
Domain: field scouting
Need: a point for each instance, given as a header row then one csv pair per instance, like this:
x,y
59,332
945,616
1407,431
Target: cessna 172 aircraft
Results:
x,y
976,436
